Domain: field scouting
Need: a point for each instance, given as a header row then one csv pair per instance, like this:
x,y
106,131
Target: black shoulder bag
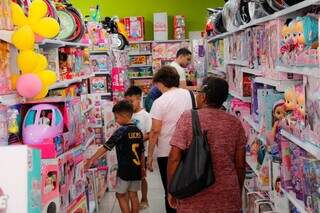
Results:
x,y
194,172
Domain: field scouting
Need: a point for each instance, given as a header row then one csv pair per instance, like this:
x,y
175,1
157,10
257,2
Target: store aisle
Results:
x,y
155,195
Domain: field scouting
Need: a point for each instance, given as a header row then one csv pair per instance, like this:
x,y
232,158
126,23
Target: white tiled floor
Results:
x,y
155,196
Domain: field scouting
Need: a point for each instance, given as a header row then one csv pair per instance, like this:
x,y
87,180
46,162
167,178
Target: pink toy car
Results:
x,y
41,122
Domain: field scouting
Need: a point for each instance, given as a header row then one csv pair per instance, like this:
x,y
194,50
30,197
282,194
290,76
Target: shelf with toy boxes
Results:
x,y
101,62
298,41
215,56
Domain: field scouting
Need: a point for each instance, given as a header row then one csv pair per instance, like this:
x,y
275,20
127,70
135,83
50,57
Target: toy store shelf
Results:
x,y
242,63
172,41
312,149
11,99
52,99
251,71
5,35
140,53
215,70
53,43
101,93
253,124
244,99
281,86
99,52
102,73
297,203
314,72
66,83
141,77
140,42
89,141
252,164
284,12
140,65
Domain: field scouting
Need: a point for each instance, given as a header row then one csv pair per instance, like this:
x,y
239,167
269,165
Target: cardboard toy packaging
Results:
x,y
135,27
20,166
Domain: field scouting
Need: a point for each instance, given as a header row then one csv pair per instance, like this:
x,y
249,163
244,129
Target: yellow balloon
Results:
x,y
38,9
18,16
23,38
47,77
42,94
27,61
14,78
46,27
42,63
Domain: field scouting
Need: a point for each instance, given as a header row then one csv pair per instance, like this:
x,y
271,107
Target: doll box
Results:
x,y
298,50
239,82
135,27
273,52
160,26
20,165
179,25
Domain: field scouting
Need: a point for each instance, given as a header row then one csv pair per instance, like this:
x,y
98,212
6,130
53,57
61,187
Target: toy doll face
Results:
x,y
291,101
279,112
298,28
301,104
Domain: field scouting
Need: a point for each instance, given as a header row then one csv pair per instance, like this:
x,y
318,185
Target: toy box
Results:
x,y
5,15
95,116
135,27
273,52
267,99
14,122
298,47
3,126
100,63
50,186
239,82
23,171
61,113
216,55
179,27
160,26
79,206
98,85
312,181
312,94
5,82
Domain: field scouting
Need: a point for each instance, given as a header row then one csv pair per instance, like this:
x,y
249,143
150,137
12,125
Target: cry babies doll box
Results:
x,y
20,179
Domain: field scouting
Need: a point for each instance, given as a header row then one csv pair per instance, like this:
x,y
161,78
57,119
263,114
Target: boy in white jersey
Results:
x,y
143,121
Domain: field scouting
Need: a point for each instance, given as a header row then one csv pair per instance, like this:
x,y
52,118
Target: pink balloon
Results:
x,y
29,85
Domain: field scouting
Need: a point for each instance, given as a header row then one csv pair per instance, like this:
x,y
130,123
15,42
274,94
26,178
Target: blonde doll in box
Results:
x,y
290,106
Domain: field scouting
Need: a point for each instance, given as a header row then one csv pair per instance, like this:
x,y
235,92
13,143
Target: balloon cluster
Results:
x,y
35,79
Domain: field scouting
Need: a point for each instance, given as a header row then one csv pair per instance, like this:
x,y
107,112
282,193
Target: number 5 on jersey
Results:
x,y
134,150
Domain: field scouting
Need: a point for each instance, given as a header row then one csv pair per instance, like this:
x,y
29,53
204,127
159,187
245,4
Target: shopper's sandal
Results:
x,y
143,205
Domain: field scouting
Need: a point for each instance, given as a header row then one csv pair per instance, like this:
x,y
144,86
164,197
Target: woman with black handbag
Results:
x,y
223,136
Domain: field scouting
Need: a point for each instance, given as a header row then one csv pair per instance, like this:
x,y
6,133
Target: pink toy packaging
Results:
x,y
50,186
312,90
179,25
297,182
135,27
5,82
273,52
312,182
299,39
3,126
239,82
286,177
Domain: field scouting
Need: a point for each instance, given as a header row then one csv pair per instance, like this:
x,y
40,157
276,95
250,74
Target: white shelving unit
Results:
x,y
297,203
237,62
244,99
300,70
140,65
251,71
285,12
141,77
140,53
281,86
310,148
93,52
12,99
66,83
